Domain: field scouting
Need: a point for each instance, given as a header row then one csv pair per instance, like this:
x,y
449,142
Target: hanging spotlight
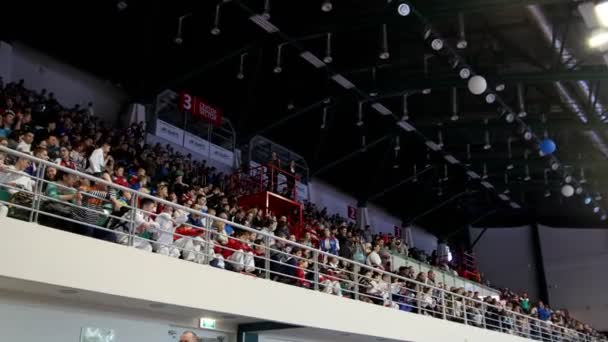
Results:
x,y
290,105
490,98
464,73
554,166
454,116
241,74
578,190
328,59
384,54
603,217
521,100
405,111
324,118
374,91
588,200
527,134
437,44
178,36
567,190
397,144
487,144
426,91
596,209
363,143
122,5
598,196
484,174
509,153
415,176
506,191
440,138
500,87
278,68
583,180
510,117
527,177
360,114
327,6
403,8
568,179
215,30
266,13
546,178
462,40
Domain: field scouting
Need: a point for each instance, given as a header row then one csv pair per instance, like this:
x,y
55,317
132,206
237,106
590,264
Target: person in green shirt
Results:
x,y
525,302
58,193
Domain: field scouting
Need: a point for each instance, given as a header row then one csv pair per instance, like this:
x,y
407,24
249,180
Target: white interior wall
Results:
x,y
37,318
336,201
505,256
95,269
70,85
575,262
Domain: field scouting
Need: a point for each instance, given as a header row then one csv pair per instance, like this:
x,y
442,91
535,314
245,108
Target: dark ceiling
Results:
x,y
135,48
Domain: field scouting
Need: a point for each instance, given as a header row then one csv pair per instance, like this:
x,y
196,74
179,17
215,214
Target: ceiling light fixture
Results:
x,y
403,8
455,111
384,54
324,118
598,38
178,36
588,200
278,67
405,111
266,13
462,39
122,5
215,30
360,114
601,11
437,44
327,6
241,74
328,58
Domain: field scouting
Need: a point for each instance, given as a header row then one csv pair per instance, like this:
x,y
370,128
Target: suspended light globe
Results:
x,y
477,85
547,146
567,190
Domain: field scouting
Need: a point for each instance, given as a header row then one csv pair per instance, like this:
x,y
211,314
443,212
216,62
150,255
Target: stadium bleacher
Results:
x,y
159,200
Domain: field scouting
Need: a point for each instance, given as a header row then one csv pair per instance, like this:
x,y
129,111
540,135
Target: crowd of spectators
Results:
x,y
35,123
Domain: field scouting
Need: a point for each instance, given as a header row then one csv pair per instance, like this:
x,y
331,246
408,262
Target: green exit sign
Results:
x,y
207,323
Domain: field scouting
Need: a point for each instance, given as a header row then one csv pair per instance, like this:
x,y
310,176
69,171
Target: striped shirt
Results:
x,y
92,205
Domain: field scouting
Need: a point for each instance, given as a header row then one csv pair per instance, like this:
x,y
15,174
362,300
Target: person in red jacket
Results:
x,y
300,274
238,254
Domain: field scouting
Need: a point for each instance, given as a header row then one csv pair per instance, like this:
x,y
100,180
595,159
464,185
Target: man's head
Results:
x,y
188,336
148,205
41,153
64,153
431,275
52,141
105,147
68,179
27,137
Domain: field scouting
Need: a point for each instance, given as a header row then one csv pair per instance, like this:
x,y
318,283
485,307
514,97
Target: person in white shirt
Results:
x,y
98,159
373,256
25,142
167,222
143,224
15,177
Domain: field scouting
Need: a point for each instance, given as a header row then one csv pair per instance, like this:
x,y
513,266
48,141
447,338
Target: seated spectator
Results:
x,y
238,254
373,258
17,190
25,142
167,223
98,159
144,226
64,158
329,243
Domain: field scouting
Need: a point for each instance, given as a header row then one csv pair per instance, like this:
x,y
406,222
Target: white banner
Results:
x,y
169,132
302,189
196,144
222,155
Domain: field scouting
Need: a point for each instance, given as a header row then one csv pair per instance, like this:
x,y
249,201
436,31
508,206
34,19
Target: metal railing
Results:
x,y
132,221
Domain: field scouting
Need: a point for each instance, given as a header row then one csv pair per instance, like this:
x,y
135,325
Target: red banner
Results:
x,y
352,213
200,108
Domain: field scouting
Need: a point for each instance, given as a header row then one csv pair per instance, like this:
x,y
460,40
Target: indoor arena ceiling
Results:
x,y
386,56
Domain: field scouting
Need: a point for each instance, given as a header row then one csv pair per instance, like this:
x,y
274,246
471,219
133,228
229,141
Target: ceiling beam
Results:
x,y
450,7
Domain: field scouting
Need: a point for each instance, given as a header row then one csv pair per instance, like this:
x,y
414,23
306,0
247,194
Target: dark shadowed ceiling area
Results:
x,y
136,47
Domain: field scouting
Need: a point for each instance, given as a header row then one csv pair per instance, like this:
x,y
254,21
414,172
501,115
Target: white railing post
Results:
x,y
267,257
132,219
316,269
443,303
